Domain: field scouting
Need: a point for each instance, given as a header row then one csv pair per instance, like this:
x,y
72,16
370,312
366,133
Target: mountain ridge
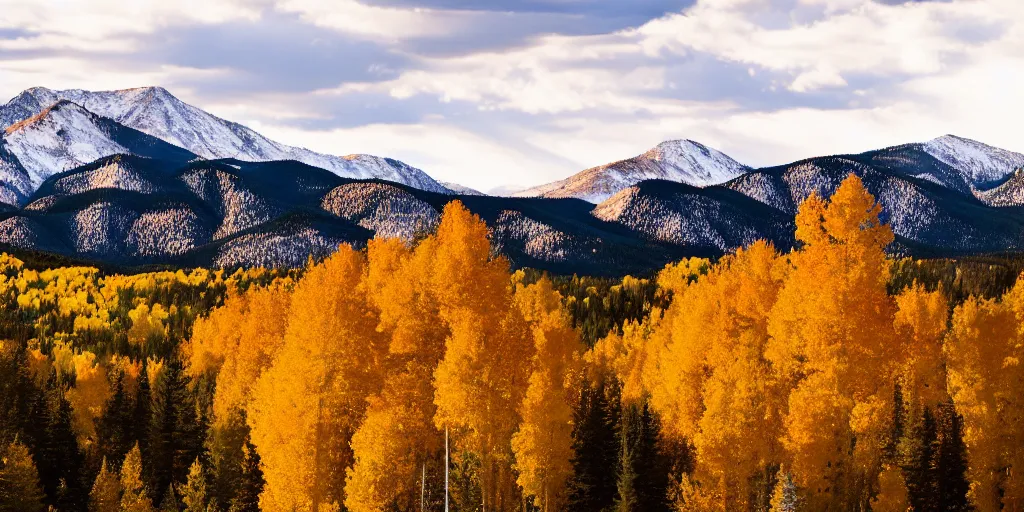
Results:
x,y
156,112
683,161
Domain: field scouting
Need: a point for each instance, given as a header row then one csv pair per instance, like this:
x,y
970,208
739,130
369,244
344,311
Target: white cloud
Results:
x,y
387,23
812,77
446,152
99,20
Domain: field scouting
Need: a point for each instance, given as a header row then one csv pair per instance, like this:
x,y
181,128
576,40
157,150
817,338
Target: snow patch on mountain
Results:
x,y
61,137
461,190
156,112
683,161
979,163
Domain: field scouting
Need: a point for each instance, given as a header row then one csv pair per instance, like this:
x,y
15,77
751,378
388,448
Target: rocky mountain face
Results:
x,y
130,210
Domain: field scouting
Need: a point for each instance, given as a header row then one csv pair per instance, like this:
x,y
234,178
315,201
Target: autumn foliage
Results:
x,y
817,379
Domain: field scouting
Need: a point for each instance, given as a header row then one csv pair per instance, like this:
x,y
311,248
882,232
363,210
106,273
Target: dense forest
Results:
x,y
429,376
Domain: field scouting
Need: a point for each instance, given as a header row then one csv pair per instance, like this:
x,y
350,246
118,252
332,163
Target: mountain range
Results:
x,y
138,177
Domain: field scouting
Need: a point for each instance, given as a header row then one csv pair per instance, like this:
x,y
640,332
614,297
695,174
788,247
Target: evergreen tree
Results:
x,y
134,497
595,445
141,414
643,470
226,446
106,491
950,462
115,429
16,391
627,499
247,498
652,466
176,435
917,453
20,490
169,503
55,448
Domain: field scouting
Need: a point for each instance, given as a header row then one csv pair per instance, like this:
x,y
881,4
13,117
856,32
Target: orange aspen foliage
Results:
x,y
89,396
306,406
832,342
543,443
481,381
921,318
625,356
709,379
237,342
398,434
392,444
892,493
983,350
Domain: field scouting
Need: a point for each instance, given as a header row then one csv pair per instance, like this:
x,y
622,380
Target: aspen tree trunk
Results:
x,y
446,469
423,485
316,456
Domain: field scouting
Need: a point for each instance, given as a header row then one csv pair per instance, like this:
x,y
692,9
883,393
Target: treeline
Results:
x,y
419,377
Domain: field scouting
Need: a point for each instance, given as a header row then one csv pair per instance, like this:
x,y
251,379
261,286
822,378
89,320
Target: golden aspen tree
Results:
x,y
983,350
20,490
306,406
921,323
237,342
89,395
392,444
481,381
625,356
193,492
832,338
710,380
134,497
106,491
543,443
1011,399
892,492
398,435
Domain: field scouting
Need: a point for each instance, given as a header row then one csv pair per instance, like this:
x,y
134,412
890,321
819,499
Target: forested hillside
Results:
x,y
826,378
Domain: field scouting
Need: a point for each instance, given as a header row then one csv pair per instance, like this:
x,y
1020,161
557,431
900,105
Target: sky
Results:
x,y
509,94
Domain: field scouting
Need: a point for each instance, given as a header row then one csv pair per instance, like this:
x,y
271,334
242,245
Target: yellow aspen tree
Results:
x,y
392,444
625,356
710,380
982,350
1011,400
89,395
543,443
398,435
106,491
306,406
480,381
238,342
134,497
20,489
921,322
892,492
832,343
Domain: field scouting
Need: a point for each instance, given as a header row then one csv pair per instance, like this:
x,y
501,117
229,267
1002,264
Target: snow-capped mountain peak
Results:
x,y
156,112
60,137
683,161
979,163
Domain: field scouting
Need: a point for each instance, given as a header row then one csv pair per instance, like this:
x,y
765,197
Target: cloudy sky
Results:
x,y
496,93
